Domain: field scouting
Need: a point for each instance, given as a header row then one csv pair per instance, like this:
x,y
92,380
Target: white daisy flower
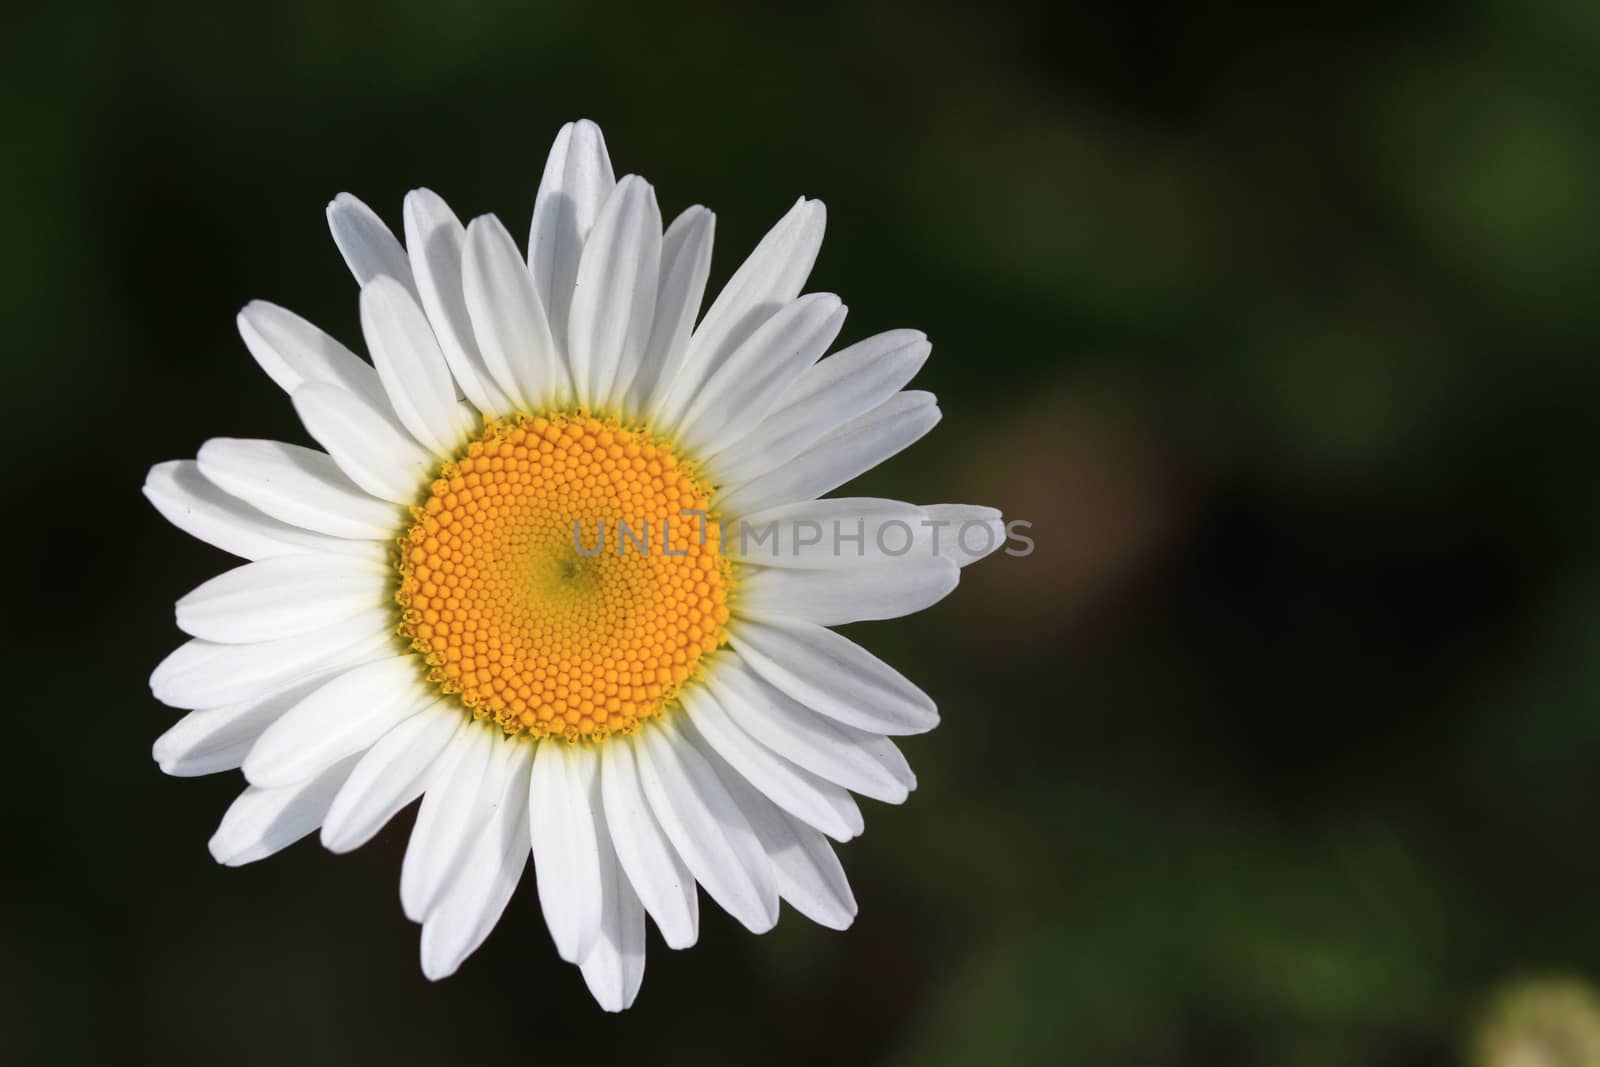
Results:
x,y
426,611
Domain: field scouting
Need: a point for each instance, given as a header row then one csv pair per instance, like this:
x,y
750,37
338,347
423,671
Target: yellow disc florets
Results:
x,y
557,578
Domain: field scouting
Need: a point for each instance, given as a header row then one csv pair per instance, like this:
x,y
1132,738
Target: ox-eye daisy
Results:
x,y
426,610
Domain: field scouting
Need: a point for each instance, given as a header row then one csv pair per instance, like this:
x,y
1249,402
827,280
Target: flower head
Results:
x,y
563,572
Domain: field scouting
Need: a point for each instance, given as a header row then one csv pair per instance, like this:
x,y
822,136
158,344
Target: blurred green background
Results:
x,y
1280,326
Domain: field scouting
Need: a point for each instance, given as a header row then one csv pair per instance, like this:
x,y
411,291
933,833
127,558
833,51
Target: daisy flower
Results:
x,y
516,580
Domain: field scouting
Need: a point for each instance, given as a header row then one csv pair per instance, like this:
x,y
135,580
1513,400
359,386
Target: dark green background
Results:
x,y
1280,326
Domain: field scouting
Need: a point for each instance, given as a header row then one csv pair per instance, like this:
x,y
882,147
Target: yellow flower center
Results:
x,y
557,580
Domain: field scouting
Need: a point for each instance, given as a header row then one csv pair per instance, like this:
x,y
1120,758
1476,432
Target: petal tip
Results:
x,y
345,202
222,850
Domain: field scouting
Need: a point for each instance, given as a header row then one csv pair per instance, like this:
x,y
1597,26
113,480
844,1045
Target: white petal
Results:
x,y
369,248
300,486
435,239
848,383
491,867
390,775
452,813
685,265
705,826
820,803
217,739
412,368
562,797
577,180
808,874
842,754
831,674
738,396
341,718
203,742
854,448
263,821
201,509
971,532
829,534
376,453
282,597
293,352
614,301
855,594
887,755
204,674
769,279
614,968
653,867
508,319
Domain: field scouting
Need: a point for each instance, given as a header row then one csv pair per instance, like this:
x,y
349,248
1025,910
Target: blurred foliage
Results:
x,y
1280,325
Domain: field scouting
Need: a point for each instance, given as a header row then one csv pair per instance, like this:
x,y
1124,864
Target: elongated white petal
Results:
x,y
887,755
808,874
368,246
971,532
508,319
885,590
805,867
452,813
614,302
217,739
856,447
299,486
614,968
685,265
829,534
831,674
202,742
738,396
842,754
435,239
771,277
376,453
492,865
848,383
663,883
293,352
390,775
263,821
563,795
201,509
341,718
705,826
282,597
204,674
819,803
577,180
411,367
